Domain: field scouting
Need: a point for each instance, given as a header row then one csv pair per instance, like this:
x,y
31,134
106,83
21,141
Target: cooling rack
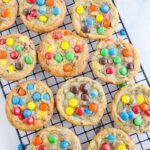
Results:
x,y
85,134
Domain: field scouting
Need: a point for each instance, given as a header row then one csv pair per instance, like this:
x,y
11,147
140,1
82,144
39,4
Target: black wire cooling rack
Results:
x,y
85,134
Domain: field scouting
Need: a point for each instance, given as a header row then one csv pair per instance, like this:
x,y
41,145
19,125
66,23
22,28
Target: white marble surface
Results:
x,y
135,15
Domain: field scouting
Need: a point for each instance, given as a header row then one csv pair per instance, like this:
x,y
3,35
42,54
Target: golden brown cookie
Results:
x,y
112,139
42,15
131,108
29,105
81,101
115,61
8,10
95,19
55,138
63,53
17,56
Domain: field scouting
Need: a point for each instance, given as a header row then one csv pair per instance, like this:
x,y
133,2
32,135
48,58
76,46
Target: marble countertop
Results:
x,y
135,15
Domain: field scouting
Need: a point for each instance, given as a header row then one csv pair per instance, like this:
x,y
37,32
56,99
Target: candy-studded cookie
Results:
x,y
42,15
112,139
17,56
81,101
29,105
8,10
63,53
131,108
55,138
115,61
95,19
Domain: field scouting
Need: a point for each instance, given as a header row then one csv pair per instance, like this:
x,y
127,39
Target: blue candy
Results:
x,y
64,144
42,10
123,32
30,86
112,51
36,96
21,101
88,111
27,113
20,147
89,22
130,114
46,96
124,116
56,11
105,8
111,138
94,93
40,2
15,100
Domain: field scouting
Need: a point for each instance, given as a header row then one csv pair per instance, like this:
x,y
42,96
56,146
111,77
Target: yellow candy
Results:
x,y
31,105
149,99
10,41
50,48
125,99
80,10
43,18
41,113
69,111
121,147
3,62
6,1
11,68
73,102
140,99
99,18
64,45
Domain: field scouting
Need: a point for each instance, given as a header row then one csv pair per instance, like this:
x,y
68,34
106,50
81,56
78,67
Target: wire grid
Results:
x,y
85,134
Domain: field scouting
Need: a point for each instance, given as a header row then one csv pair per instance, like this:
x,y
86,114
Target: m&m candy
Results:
x,y
37,140
65,45
46,96
29,120
22,92
3,54
136,109
123,71
140,99
68,68
14,54
42,10
33,13
5,13
49,55
69,111
84,97
93,107
104,52
117,60
99,18
70,56
43,18
19,48
41,147
85,29
31,1
30,86
88,112
123,32
16,111
57,35
28,59
44,107
80,10
138,121
21,101
106,146
106,23
64,144
130,114
124,116
79,111
69,95
89,22
56,11
112,51
36,96
147,112
52,139
103,61
10,41
73,102
31,105
125,99
41,113
111,138
49,2
126,53
40,2
6,1
11,68
2,41
93,8
15,100
130,66
144,106
100,30
84,88
109,70
27,113
58,58
74,89
78,49
104,8
121,147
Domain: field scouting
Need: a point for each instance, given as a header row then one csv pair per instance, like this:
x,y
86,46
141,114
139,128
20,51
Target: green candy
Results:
x,y
121,85
104,52
100,30
28,59
117,60
69,95
19,48
58,58
137,121
52,139
69,56
123,71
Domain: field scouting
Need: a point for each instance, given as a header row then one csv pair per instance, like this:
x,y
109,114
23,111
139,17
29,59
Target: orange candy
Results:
x,y
21,92
93,7
68,67
43,106
66,33
3,54
144,106
49,2
37,141
93,107
106,23
5,13
126,53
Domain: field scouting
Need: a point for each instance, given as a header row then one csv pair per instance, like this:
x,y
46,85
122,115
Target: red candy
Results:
x,y
2,41
48,56
29,120
21,117
57,35
31,1
80,111
147,113
33,13
17,111
14,54
78,49
110,70
41,147
136,109
106,147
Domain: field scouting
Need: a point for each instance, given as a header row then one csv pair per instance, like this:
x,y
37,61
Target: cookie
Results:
x,y
17,56
55,137
42,15
131,108
63,53
8,10
112,139
81,101
115,61
29,105
95,19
